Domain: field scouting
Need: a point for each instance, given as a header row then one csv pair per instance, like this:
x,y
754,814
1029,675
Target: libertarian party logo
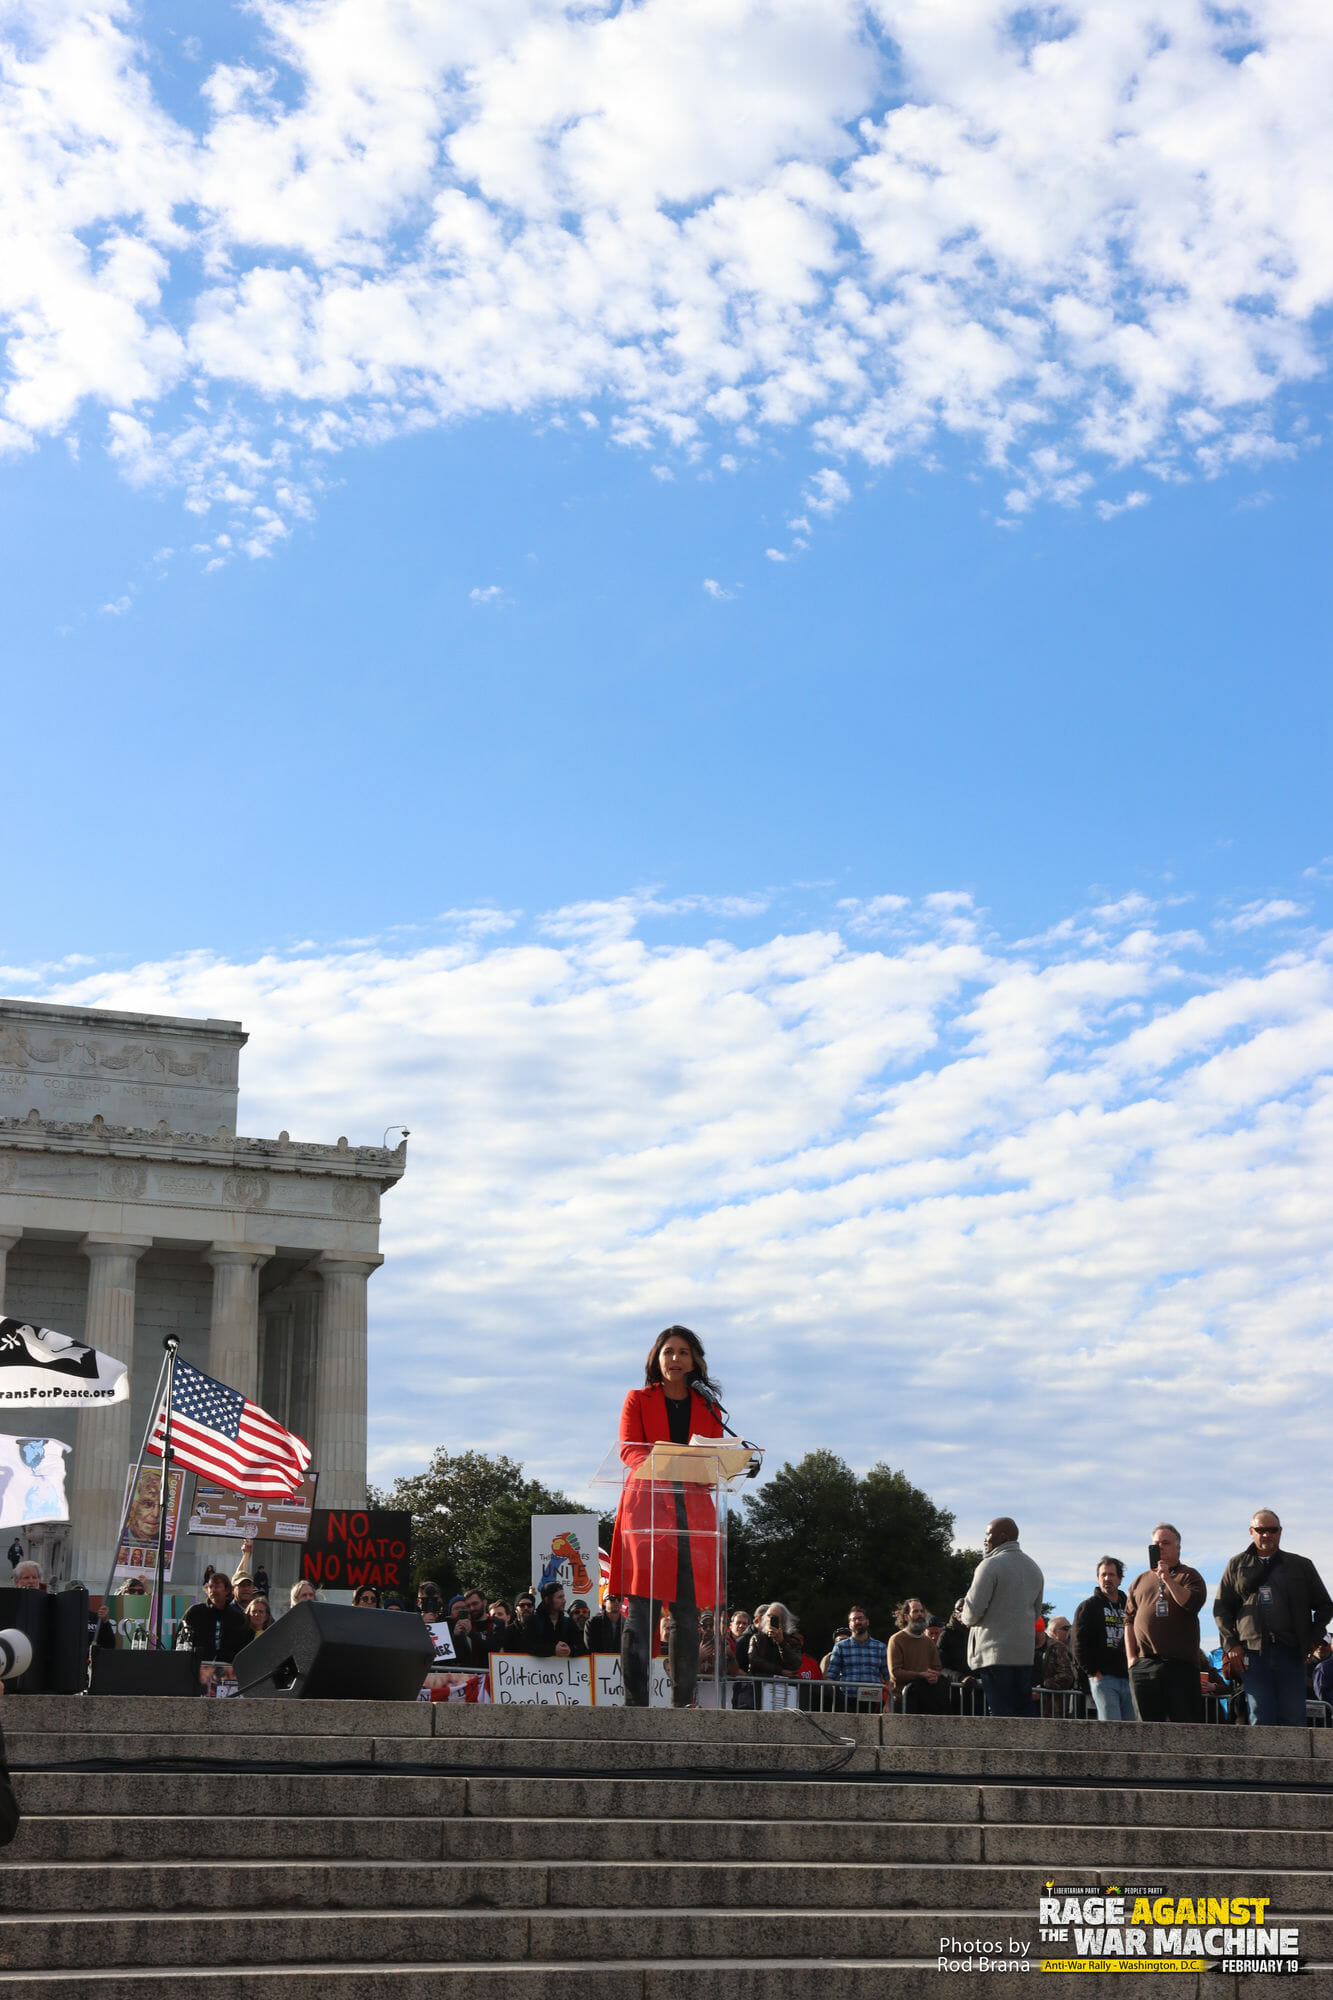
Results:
x,y
1146,1928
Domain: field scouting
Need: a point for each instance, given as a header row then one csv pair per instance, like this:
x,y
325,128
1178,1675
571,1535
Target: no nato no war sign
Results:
x,y
351,1546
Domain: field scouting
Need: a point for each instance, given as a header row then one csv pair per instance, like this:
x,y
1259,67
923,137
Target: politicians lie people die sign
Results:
x,y
350,1546
523,1680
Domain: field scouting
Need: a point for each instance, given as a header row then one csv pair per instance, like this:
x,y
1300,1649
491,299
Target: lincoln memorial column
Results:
x,y
103,1447
233,1334
8,1239
339,1443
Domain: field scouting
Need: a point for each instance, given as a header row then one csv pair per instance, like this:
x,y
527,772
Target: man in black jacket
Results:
x,y
604,1628
1099,1643
1271,1609
217,1628
551,1630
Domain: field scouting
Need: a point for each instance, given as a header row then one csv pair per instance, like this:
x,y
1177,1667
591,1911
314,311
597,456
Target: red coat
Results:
x,y
643,1552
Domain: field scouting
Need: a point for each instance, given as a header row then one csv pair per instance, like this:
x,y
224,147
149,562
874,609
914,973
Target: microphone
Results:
x,y
15,1654
707,1391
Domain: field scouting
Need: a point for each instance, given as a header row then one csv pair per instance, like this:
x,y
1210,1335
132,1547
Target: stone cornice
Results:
x,y
277,1156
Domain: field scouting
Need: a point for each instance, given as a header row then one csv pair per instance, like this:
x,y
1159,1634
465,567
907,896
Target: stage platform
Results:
x,y
362,1850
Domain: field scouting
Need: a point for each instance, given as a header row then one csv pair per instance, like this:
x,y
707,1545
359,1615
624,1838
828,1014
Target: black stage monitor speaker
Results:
x,y
144,1673
335,1652
57,1630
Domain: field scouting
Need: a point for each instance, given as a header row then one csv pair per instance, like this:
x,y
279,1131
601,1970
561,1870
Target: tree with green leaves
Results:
x,y
471,1521
819,1539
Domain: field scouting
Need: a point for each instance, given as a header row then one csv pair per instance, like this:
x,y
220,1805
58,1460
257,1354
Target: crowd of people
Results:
x,y
1133,1653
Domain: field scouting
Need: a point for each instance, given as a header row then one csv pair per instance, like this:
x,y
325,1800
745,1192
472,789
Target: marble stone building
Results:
x,y
129,1208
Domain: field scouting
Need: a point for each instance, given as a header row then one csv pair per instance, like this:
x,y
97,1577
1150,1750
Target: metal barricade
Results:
x,y
1063,1704
771,1693
1319,1714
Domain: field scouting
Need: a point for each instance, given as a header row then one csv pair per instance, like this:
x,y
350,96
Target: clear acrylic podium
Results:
x,y
672,1524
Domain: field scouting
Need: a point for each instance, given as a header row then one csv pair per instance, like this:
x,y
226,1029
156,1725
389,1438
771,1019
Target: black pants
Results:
x,y
1165,1690
636,1651
926,1697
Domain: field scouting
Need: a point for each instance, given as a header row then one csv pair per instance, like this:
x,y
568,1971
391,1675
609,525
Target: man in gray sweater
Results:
x,y
1002,1606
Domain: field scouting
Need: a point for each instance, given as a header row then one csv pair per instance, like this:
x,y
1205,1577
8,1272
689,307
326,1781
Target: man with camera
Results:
x,y
1162,1633
1271,1608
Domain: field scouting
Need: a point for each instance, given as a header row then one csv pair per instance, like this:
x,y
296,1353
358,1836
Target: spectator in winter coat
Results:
x,y
914,1663
775,1650
1002,1606
551,1631
1099,1643
1271,1609
218,1628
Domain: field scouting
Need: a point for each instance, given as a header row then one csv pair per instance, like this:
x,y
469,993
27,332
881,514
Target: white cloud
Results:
x,y
118,607
827,491
1077,240
716,590
777,555
1274,910
1108,509
1043,1226
490,593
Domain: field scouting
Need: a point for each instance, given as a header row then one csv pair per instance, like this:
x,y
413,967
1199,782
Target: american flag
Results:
x,y
220,1432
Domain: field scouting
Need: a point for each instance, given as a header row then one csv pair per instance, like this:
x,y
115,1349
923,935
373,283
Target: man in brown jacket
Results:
x,y
1162,1635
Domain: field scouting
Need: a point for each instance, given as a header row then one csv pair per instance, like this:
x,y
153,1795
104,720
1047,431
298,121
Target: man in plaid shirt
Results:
x,y
859,1658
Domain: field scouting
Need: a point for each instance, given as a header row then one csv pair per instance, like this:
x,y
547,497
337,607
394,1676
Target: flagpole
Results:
x,y
129,1498
171,1343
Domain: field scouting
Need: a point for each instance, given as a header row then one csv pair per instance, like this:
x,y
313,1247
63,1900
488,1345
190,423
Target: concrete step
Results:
x,y
101,1837
413,1937
187,1939
48,1749
370,1794
172,1886
632,1978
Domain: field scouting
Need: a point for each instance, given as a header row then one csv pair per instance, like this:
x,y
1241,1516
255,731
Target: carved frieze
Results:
x,y
248,1191
125,1180
357,1199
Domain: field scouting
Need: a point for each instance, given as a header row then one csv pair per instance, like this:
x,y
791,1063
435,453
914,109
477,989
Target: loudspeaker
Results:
x,y
334,1652
57,1629
144,1673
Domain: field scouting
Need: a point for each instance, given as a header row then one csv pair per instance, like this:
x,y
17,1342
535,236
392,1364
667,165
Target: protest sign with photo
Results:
x,y
32,1481
137,1554
216,1510
349,1546
564,1551
521,1679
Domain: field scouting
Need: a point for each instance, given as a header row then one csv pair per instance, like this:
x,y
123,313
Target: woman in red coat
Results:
x,y
668,1558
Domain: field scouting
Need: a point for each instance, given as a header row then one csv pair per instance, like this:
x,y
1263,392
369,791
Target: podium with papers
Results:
x,y
672,1524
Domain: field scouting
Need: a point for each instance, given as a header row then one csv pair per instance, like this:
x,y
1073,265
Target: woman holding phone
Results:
x,y
667,1558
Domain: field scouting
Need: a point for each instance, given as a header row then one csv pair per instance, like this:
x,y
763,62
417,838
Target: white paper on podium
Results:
x,y
701,1462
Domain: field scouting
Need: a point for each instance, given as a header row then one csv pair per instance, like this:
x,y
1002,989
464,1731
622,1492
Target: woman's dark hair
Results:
x,y
652,1367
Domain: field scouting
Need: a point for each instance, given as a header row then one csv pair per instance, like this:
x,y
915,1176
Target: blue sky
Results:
x,y
570,566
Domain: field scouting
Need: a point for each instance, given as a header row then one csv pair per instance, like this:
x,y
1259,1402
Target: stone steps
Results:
x,y
386,1851
1046,1844
171,1886
758,1978
294,1937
